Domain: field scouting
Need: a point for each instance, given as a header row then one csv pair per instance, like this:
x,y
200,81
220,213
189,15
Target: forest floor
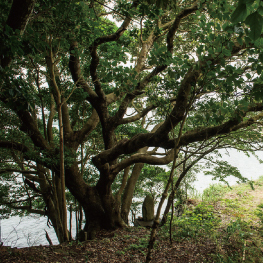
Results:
x,y
224,227
127,245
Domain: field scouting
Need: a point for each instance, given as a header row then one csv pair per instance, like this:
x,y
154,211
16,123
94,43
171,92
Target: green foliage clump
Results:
x,y
195,223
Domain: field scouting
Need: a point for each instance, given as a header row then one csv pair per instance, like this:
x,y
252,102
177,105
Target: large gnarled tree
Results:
x,y
121,90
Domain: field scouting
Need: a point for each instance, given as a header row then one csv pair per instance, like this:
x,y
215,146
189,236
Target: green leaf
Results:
x,y
248,76
210,50
227,52
260,10
255,21
260,57
259,69
240,13
240,41
247,41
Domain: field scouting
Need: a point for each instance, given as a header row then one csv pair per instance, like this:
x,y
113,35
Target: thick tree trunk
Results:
x,y
99,213
98,205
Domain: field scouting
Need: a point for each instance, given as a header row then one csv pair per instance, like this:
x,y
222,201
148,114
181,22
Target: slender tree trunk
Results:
x,y
164,195
156,220
62,174
49,195
129,191
119,192
63,207
70,223
80,217
77,221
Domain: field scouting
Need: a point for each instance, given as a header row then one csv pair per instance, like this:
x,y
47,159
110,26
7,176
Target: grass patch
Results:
x,y
214,193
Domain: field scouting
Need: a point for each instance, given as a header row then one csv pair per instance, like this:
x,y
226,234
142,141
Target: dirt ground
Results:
x,y
126,245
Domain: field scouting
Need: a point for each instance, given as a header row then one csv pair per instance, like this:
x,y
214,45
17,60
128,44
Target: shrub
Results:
x,y
197,222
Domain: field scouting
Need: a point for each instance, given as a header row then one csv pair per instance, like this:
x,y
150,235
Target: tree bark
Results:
x,y
129,190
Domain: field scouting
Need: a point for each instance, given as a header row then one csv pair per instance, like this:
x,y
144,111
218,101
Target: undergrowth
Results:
x,y
238,239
